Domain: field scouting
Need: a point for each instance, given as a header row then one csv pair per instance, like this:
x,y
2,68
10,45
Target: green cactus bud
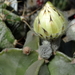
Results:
x,y
50,23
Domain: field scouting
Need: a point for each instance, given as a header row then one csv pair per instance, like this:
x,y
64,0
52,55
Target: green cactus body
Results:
x,y
6,37
61,4
10,17
50,23
3,5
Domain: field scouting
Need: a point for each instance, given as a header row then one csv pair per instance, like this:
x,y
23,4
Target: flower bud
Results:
x,y
50,23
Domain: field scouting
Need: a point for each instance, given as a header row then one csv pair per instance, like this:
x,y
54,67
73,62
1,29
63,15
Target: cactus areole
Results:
x,y
50,23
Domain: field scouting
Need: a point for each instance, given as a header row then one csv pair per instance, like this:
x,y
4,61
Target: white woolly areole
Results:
x,y
45,50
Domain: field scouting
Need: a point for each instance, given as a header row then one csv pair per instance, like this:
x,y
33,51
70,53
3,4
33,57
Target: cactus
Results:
x,y
11,18
6,37
14,61
70,33
61,65
32,38
61,4
14,22
4,4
